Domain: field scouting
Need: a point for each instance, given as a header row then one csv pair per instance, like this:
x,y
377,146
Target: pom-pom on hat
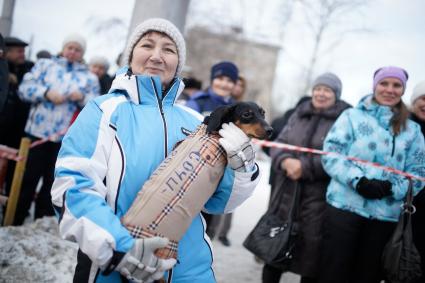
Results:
x,y
158,25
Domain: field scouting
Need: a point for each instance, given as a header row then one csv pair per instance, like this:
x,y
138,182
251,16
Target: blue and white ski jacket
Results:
x,y
116,143
365,132
46,118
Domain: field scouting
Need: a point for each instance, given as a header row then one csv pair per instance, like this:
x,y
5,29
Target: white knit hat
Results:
x,y
418,91
159,25
99,60
76,38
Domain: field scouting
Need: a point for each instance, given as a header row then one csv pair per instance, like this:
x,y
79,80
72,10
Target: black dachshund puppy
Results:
x,y
248,116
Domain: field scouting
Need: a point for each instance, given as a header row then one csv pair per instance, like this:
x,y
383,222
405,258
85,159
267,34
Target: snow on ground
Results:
x,y
35,253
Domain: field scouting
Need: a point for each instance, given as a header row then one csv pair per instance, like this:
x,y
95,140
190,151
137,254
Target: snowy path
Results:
x,y
235,263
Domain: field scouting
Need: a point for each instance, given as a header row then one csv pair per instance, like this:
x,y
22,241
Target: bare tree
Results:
x,y
110,32
250,19
328,19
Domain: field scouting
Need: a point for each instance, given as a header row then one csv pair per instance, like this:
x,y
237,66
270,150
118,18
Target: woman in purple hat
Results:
x,y
363,200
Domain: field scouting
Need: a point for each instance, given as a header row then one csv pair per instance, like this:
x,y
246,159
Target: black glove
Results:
x,y
373,189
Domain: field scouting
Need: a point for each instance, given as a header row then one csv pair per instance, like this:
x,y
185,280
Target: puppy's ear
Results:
x,y
216,118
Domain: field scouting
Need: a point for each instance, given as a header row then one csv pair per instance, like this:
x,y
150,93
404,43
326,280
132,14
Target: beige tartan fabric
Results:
x,y
177,190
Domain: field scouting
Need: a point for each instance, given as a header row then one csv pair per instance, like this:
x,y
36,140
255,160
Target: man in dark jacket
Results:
x,y
14,113
4,74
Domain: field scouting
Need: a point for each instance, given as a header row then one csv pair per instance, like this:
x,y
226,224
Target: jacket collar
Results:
x,y
146,89
383,114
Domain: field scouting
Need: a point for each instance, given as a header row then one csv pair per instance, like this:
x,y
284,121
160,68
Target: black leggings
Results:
x,y
40,164
352,247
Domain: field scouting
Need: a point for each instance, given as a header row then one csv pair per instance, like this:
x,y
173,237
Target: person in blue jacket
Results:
x,y
224,76
364,201
111,150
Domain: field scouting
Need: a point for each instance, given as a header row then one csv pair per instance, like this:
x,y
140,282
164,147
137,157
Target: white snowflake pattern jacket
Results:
x,y
46,118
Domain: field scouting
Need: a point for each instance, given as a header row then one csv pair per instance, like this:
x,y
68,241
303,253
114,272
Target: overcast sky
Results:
x,y
398,36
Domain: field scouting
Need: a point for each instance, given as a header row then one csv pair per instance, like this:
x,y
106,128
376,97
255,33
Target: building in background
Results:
x,y
257,61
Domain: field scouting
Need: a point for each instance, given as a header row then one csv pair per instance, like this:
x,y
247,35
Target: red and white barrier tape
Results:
x,y
53,137
321,152
11,153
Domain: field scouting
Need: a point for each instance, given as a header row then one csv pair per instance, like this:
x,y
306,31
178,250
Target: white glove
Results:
x,y
240,153
140,264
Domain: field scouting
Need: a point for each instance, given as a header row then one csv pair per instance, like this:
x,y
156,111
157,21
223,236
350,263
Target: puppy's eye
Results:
x,y
247,115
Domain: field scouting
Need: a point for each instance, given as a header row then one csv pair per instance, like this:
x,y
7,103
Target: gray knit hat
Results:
x,y
418,91
330,80
159,25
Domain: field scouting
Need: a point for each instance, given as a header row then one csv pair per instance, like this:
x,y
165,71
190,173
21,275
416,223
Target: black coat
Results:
x,y
105,83
278,124
14,114
306,128
418,219
4,74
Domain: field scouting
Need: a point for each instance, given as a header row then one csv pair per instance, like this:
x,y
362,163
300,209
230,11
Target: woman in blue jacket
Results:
x,y
110,151
364,201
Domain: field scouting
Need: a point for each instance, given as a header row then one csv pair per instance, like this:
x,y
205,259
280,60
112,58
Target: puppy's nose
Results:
x,y
269,132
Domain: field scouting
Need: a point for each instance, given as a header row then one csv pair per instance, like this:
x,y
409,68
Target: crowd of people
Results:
x,y
347,211
103,137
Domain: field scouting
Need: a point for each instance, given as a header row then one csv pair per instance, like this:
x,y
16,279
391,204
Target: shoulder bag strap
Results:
x,y
408,206
296,201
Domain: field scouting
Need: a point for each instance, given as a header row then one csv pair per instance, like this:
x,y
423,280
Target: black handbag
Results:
x,y
401,261
273,238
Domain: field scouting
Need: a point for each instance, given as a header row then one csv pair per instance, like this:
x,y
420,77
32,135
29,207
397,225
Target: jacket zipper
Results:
x,y
392,151
164,122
